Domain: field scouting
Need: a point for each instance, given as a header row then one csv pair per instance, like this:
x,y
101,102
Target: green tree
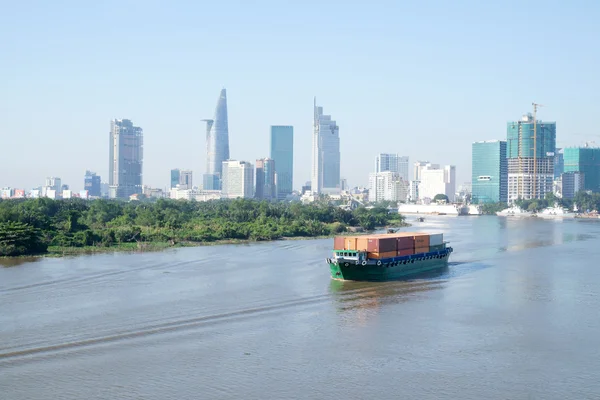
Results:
x,y
440,197
17,238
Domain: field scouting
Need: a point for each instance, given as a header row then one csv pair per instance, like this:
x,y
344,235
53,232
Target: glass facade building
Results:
x,y
126,156
92,184
489,172
393,163
325,174
282,153
265,179
587,161
530,149
217,144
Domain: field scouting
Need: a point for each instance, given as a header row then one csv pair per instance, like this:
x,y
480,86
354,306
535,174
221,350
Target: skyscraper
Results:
x,y
394,163
217,144
92,184
325,174
282,153
265,179
126,155
587,161
489,172
238,179
181,178
529,140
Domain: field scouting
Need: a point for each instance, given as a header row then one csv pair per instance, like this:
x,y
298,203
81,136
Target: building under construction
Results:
x,y
531,146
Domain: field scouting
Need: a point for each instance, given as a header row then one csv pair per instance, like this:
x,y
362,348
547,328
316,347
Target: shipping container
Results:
x,y
405,243
436,239
439,247
405,252
376,255
362,243
421,240
381,244
350,243
424,249
338,243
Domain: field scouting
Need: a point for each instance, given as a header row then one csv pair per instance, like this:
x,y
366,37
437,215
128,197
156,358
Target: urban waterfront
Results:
x,y
514,316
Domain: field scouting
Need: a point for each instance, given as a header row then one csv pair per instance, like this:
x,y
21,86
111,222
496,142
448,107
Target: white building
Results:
x,y
238,179
325,174
394,163
413,191
419,166
387,185
437,181
54,184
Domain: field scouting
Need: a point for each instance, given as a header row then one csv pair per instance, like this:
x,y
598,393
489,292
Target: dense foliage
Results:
x,y
18,238
493,208
78,223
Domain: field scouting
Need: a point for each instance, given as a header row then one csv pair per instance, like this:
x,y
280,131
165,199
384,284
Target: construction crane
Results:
x,y
535,107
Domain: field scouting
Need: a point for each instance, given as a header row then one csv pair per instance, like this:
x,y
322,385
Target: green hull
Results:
x,y
391,268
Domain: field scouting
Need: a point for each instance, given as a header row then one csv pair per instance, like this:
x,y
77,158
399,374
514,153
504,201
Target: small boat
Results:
x,y
420,219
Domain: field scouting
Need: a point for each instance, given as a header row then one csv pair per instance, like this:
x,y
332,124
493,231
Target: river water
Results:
x,y
515,316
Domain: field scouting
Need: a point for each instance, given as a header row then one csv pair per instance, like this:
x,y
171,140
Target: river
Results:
x,y
515,316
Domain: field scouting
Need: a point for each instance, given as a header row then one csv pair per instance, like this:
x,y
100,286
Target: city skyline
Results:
x,y
58,68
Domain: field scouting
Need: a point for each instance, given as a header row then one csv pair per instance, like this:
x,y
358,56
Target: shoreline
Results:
x,y
149,247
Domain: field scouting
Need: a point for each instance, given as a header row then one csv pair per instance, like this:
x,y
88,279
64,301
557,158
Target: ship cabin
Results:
x,y
351,255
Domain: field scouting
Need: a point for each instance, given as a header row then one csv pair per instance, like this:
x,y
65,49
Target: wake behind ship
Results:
x,y
387,257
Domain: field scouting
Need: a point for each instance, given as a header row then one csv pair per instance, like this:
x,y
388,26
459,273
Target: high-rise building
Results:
x,y
489,172
388,186
419,166
266,187
126,157
587,161
559,163
436,180
393,163
53,183
282,152
181,179
175,175
217,145
92,184
571,183
325,175
529,140
238,179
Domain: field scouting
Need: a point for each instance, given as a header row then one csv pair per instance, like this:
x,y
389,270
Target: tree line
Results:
x,y
29,226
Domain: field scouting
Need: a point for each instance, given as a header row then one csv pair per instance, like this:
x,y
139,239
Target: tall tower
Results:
x,y
282,153
217,144
325,174
530,149
125,159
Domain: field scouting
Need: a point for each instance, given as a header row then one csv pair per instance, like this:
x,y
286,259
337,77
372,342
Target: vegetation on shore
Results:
x,y
36,226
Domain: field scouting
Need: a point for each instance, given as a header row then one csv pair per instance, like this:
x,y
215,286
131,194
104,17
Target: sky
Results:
x,y
419,78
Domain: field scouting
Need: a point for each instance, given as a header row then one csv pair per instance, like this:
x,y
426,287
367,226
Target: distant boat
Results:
x,y
556,212
514,211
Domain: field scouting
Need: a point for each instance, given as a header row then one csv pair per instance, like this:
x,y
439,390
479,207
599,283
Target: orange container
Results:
x,y
362,243
381,243
387,254
419,250
422,240
338,243
406,252
350,243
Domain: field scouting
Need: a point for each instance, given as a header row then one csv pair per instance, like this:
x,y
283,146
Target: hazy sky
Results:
x,y
420,78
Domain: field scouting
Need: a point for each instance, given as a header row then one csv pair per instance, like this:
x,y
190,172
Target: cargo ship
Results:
x,y
389,256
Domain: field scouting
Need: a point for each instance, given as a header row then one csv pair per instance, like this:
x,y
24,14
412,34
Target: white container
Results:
x,y
436,239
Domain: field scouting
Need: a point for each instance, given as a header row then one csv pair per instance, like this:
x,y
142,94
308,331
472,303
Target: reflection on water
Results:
x,y
16,261
351,294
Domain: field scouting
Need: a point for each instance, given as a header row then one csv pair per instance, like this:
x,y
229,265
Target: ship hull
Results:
x,y
390,268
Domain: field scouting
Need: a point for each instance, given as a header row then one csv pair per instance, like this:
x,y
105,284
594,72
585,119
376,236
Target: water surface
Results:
x,y
514,316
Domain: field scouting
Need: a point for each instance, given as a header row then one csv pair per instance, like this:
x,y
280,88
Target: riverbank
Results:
x,y
61,251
